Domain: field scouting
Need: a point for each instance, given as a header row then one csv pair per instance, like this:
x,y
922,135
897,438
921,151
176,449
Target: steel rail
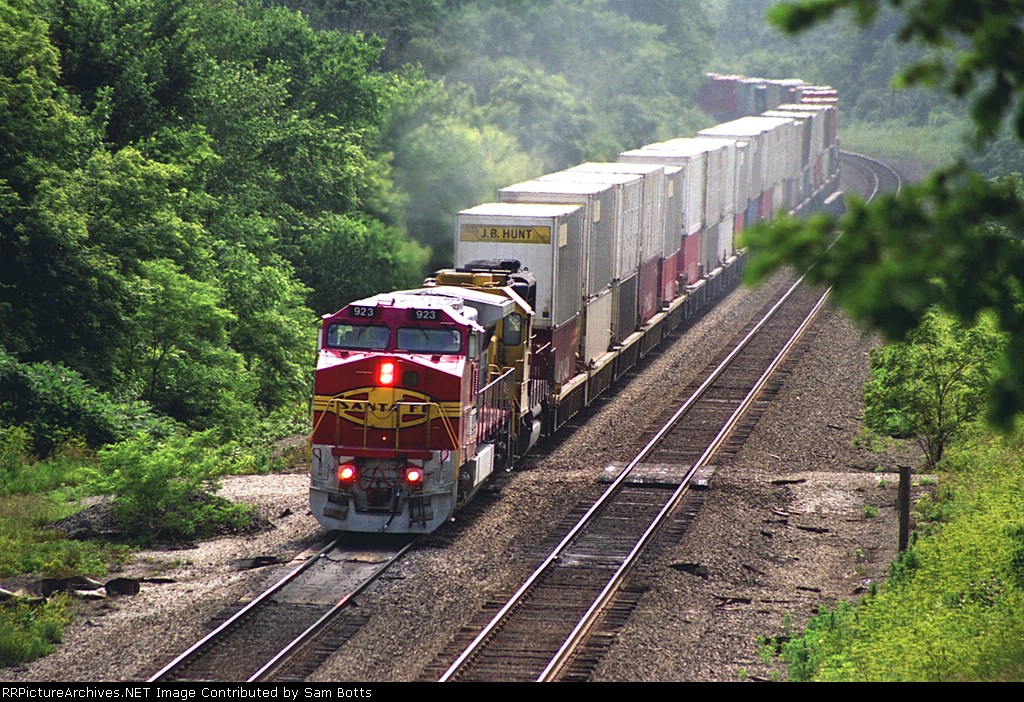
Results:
x,y
873,167
556,553
228,623
286,653
564,654
590,617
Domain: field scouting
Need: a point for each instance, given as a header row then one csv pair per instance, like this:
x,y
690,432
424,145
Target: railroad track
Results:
x,y
287,631
543,632
878,177
536,632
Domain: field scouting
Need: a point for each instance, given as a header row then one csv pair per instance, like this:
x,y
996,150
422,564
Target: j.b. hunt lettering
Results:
x,y
508,234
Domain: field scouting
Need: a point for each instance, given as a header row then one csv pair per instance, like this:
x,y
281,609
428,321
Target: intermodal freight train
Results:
x,y
559,288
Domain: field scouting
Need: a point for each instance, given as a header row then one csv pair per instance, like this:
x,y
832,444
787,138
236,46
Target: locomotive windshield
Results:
x,y
362,338
417,340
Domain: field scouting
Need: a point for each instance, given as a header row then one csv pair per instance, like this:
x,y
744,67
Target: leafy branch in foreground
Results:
x,y
979,49
952,242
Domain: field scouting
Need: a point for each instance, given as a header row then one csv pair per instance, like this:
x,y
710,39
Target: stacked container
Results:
x,y
601,221
711,194
800,185
625,254
653,239
768,138
547,240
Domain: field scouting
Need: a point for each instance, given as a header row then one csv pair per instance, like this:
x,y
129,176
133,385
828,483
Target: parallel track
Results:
x,y
542,627
277,635
536,632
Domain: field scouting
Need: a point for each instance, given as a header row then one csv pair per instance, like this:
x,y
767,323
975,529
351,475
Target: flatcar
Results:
x,y
560,288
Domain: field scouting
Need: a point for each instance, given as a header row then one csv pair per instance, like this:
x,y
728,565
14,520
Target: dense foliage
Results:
x,y
164,169
952,608
953,241
508,89
184,185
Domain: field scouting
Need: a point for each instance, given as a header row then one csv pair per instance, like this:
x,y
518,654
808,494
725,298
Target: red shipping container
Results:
x,y
689,259
764,210
556,351
669,280
647,295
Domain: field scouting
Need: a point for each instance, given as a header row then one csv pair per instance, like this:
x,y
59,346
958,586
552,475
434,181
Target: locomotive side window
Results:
x,y
512,334
429,340
351,336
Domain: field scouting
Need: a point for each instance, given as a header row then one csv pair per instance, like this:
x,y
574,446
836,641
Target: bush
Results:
x,y
164,490
28,632
54,404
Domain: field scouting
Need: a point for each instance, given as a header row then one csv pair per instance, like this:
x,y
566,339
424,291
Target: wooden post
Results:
x,y
903,507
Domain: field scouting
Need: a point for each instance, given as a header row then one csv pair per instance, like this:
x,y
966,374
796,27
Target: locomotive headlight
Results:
x,y
413,475
386,373
347,473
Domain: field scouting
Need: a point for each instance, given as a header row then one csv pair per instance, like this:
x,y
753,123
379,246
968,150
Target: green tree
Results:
x,y
341,250
953,241
448,165
932,386
178,357
408,27
272,327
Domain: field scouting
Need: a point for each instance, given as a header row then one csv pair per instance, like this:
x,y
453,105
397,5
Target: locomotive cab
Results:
x,y
409,416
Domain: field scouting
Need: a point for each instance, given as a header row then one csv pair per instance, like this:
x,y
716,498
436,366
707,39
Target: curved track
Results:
x,y
285,633
878,177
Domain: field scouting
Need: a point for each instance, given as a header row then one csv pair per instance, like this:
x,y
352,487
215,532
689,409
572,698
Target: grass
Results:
x,y
29,545
929,145
30,631
952,608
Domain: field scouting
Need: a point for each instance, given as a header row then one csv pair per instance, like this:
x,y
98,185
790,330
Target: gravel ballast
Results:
x,y
783,532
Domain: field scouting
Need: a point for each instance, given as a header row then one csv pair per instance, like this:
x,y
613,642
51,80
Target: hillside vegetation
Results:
x,y
186,185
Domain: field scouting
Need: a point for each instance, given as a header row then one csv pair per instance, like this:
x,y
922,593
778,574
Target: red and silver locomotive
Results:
x,y
419,396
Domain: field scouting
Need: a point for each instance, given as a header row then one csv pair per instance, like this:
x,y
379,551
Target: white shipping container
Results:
x,y
600,223
546,239
743,167
819,124
654,193
598,325
720,184
675,192
726,237
629,191
709,256
800,181
694,164
767,138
